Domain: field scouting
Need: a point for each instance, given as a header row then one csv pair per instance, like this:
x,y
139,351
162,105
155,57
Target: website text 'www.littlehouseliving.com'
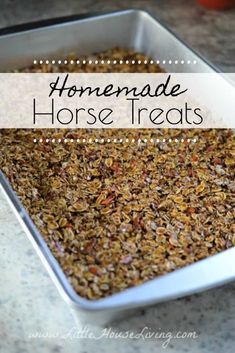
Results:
x,y
146,333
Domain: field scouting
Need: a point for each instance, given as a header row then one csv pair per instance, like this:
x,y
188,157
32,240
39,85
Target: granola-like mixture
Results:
x,y
112,60
116,214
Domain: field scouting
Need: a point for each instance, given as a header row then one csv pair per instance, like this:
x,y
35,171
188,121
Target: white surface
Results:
x,y
29,303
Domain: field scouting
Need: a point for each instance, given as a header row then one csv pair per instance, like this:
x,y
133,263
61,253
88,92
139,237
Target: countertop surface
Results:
x,y
33,317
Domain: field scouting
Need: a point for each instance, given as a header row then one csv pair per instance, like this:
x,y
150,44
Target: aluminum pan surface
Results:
x,y
131,29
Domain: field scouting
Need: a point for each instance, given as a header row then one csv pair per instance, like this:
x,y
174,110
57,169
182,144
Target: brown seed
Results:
x,y
63,222
52,225
200,188
79,207
108,162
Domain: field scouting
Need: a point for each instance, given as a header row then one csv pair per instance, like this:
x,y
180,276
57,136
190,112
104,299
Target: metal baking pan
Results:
x,y
131,29
135,30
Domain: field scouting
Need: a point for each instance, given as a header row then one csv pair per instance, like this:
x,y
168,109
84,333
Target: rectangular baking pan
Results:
x,y
132,29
